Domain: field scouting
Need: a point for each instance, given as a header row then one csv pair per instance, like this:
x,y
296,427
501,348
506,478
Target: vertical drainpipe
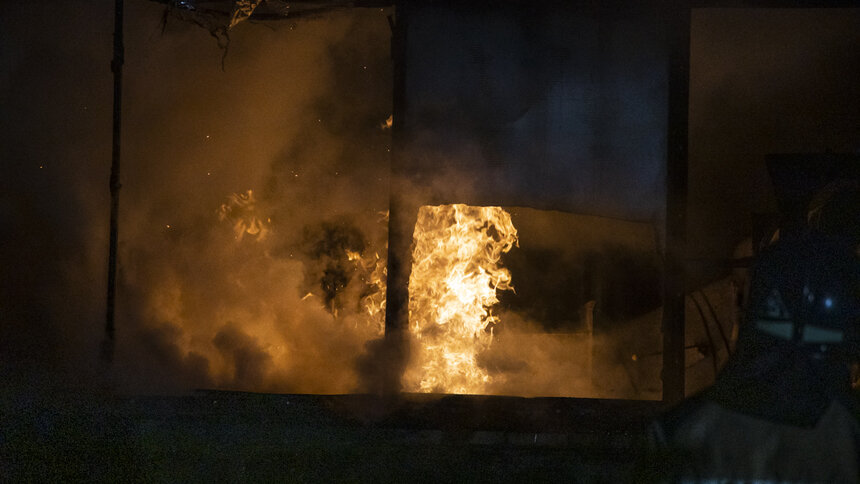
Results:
x,y
116,68
676,204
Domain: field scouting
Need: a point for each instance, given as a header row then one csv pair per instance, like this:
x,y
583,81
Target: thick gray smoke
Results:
x,y
271,296
218,286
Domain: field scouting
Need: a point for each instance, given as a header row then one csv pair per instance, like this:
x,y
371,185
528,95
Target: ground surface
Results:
x,y
226,436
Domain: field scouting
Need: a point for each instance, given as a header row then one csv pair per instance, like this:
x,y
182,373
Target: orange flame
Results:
x,y
373,271
240,210
452,287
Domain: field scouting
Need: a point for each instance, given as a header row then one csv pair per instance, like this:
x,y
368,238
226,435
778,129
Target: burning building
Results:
x,y
523,237
530,161
535,226
545,108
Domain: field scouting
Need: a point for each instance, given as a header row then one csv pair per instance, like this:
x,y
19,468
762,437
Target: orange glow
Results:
x,y
245,314
373,271
240,209
452,287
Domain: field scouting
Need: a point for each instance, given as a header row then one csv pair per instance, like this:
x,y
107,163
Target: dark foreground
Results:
x,y
231,436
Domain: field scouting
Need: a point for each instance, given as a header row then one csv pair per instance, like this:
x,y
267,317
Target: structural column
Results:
x,y
116,68
676,203
402,216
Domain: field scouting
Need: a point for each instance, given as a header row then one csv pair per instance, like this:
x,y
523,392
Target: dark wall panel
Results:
x,y
541,106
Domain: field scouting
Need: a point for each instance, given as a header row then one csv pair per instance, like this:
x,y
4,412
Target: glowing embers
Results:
x,y
452,287
240,210
373,272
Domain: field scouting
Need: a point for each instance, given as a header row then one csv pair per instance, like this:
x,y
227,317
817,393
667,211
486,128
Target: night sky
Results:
x,y
295,116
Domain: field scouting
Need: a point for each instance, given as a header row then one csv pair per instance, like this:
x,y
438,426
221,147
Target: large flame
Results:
x,y
452,287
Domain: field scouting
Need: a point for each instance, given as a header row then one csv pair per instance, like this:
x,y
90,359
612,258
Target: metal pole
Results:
x,y
401,219
116,68
674,303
